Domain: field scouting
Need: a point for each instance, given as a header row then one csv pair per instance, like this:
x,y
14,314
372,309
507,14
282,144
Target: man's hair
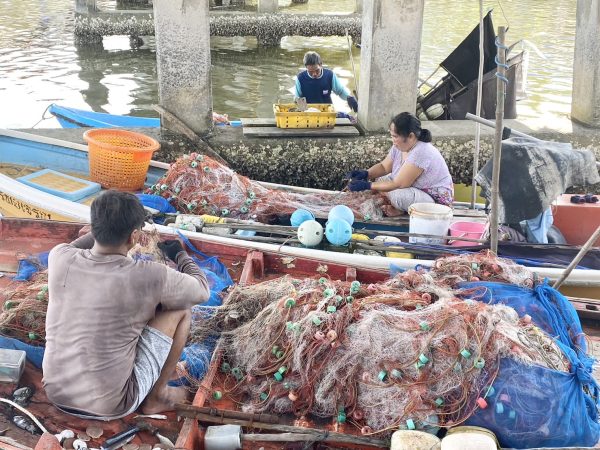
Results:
x,y
312,59
115,215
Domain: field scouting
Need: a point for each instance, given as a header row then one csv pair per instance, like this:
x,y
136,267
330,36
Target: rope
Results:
x,y
43,116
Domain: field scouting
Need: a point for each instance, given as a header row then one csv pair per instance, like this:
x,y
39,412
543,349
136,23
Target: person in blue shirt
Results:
x,y
316,83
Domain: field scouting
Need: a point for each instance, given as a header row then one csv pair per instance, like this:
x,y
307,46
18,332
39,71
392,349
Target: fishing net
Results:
x,y
404,353
23,315
197,184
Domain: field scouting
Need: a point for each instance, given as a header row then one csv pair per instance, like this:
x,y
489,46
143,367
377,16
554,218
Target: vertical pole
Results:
x,y
500,87
182,33
478,108
389,60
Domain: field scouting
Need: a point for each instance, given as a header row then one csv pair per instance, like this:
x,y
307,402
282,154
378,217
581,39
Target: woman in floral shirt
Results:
x,y
414,171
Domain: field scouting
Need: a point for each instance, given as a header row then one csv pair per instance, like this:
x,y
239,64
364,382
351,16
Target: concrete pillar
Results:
x,y
85,6
267,6
358,9
182,33
389,60
585,106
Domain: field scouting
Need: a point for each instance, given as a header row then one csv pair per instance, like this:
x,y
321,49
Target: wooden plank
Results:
x,y
300,132
270,122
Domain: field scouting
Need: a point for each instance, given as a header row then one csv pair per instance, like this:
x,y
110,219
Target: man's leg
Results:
x,y
175,324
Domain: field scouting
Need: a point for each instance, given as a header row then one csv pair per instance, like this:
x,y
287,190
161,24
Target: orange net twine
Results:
x,y
197,184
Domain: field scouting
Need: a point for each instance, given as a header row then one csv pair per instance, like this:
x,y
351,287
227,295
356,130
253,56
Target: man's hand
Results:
x,y
171,248
352,103
359,185
357,175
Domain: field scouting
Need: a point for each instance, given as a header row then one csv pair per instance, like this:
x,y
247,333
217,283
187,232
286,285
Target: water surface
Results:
x,y
40,64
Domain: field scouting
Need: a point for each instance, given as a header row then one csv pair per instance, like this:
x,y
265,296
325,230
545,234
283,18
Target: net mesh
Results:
x,y
379,356
198,184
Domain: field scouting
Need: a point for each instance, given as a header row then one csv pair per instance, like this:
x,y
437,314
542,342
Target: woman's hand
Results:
x,y
359,185
357,175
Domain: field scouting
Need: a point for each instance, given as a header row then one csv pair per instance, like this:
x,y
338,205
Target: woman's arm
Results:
x,y
381,168
405,178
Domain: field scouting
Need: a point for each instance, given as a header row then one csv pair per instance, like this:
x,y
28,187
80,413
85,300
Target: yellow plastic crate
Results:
x,y
295,119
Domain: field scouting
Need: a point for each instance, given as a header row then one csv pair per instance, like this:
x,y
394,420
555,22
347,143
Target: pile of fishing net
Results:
x,y
23,315
412,352
197,184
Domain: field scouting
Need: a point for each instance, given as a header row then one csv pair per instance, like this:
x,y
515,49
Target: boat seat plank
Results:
x,y
270,122
300,132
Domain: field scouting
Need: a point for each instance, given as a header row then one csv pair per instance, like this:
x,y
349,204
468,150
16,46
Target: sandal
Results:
x,y
578,199
589,198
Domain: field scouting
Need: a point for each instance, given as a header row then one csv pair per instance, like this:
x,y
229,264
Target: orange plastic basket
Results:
x,y
119,159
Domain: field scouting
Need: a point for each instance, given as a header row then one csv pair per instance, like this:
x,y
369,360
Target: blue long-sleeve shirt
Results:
x,y
336,87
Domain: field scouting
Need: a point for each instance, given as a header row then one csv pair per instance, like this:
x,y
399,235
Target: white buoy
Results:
x,y
469,438
414,440
310,233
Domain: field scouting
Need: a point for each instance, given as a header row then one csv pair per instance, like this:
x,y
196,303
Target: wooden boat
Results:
x,y
246,266
76,118
24,151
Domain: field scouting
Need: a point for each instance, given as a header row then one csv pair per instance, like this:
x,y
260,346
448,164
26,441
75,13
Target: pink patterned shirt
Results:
x,y
435,179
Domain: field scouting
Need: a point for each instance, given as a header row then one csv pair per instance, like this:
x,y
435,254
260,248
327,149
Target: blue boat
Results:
x,y
77,118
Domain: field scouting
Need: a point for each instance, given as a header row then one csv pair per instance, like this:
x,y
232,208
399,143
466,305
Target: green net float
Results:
x,y
193,164
217,395
439,401
45,289
290,303
341,417
191,206
41,295
367,217
338,299
244,210
289,325
248,201
479,363
328,292
349,299
279,354
9,305
177,190
206,169
322,280
251,194
278,376
275,349
316,321
225,367
224,212
410,424
465,353
424,326
199,157
32,335
395,373
264,396
237,373
331,309
204,202
424,359
382,375
282,370
164,187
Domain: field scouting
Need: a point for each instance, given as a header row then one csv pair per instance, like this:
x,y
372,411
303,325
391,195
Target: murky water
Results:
x,y
40,64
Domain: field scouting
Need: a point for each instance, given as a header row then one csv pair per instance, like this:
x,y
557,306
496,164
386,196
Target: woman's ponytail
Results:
x,y
425,135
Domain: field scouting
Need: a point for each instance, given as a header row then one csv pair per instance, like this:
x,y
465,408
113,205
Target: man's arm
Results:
x,y
298,93
86,241
338,88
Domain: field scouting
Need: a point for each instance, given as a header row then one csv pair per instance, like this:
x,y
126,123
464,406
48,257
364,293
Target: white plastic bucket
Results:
x,y
429,218
469,438
414,440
